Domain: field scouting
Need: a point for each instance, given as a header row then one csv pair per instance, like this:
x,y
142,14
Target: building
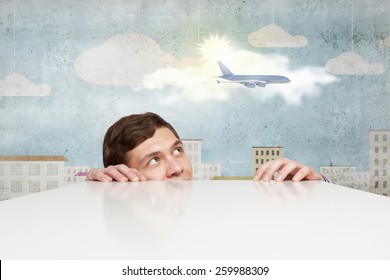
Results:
x,y
200,171
340,174
21,175
208,171
70,174
261,155
379,161
193,149
362,181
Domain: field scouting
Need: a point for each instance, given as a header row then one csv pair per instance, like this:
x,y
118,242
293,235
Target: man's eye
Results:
x,y
177,151
153,161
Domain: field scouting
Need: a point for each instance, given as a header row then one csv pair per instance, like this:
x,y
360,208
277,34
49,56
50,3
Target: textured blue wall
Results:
x,y
68,69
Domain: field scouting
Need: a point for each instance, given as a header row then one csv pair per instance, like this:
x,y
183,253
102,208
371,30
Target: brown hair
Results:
x,y
129,132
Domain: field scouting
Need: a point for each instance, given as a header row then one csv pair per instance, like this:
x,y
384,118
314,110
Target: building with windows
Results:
x,y
362,181
346,175
340,174
21,175
261,155
70,174
200,171
379,161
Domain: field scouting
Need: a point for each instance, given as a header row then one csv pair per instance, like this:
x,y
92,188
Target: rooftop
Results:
x,y
33,158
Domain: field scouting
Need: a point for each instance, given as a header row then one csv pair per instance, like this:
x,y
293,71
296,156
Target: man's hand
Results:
x,y
120,173
287,170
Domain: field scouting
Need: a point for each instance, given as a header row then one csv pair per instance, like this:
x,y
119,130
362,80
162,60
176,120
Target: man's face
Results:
x,y
161,157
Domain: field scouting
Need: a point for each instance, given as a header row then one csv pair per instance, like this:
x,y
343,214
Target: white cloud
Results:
x,y
19,85
193,82
350,63
385,43
137,60
190,81
122,60
273,36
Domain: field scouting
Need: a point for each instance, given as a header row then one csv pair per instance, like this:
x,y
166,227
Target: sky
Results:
x,y
69,69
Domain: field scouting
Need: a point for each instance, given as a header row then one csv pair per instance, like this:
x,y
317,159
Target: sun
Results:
x,y
215,48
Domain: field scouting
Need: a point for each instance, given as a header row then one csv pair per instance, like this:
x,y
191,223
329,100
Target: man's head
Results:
x,y
149,144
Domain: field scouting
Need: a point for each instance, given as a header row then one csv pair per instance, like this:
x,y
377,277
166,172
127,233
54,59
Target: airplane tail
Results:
x,y
225,71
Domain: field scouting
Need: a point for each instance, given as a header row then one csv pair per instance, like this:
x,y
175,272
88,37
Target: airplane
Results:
x,y
250,81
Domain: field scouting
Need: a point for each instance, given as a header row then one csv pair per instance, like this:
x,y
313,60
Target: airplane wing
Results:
x,y
252,84
248,84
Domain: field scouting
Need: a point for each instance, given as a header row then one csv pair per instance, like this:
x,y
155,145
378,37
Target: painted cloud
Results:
x,y
273,36
193,82
122,60
350,63
19,85
190,80
385,43
137,60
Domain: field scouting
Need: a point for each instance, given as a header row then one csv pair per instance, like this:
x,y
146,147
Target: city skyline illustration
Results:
x,y
69,70
23,175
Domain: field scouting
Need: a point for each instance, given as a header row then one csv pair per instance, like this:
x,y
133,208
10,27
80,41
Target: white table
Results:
x,y
196,220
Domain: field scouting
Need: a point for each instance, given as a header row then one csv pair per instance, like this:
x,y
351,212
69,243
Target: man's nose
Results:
x,y
174,168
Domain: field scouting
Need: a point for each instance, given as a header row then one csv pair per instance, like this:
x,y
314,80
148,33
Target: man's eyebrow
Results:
x,y
153,154
150,155
177,143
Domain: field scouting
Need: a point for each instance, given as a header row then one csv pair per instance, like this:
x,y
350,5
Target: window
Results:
x,y
262,153
52,185
52,169
384,172
267,153
376,149
16,169
257,153
262,161
277,153
385,161
376,137
385,184
273,153
376,161
384,150
35,169
376,184
34,186
376,173
16,186
384,138
257,161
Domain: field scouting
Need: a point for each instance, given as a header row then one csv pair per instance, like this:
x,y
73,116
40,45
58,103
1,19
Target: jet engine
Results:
x,y
250,85
261,84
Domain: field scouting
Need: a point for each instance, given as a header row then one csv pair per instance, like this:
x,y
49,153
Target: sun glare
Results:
x,y
215,48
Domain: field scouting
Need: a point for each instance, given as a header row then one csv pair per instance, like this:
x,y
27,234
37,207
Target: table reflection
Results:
x,y
144,210
286,190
